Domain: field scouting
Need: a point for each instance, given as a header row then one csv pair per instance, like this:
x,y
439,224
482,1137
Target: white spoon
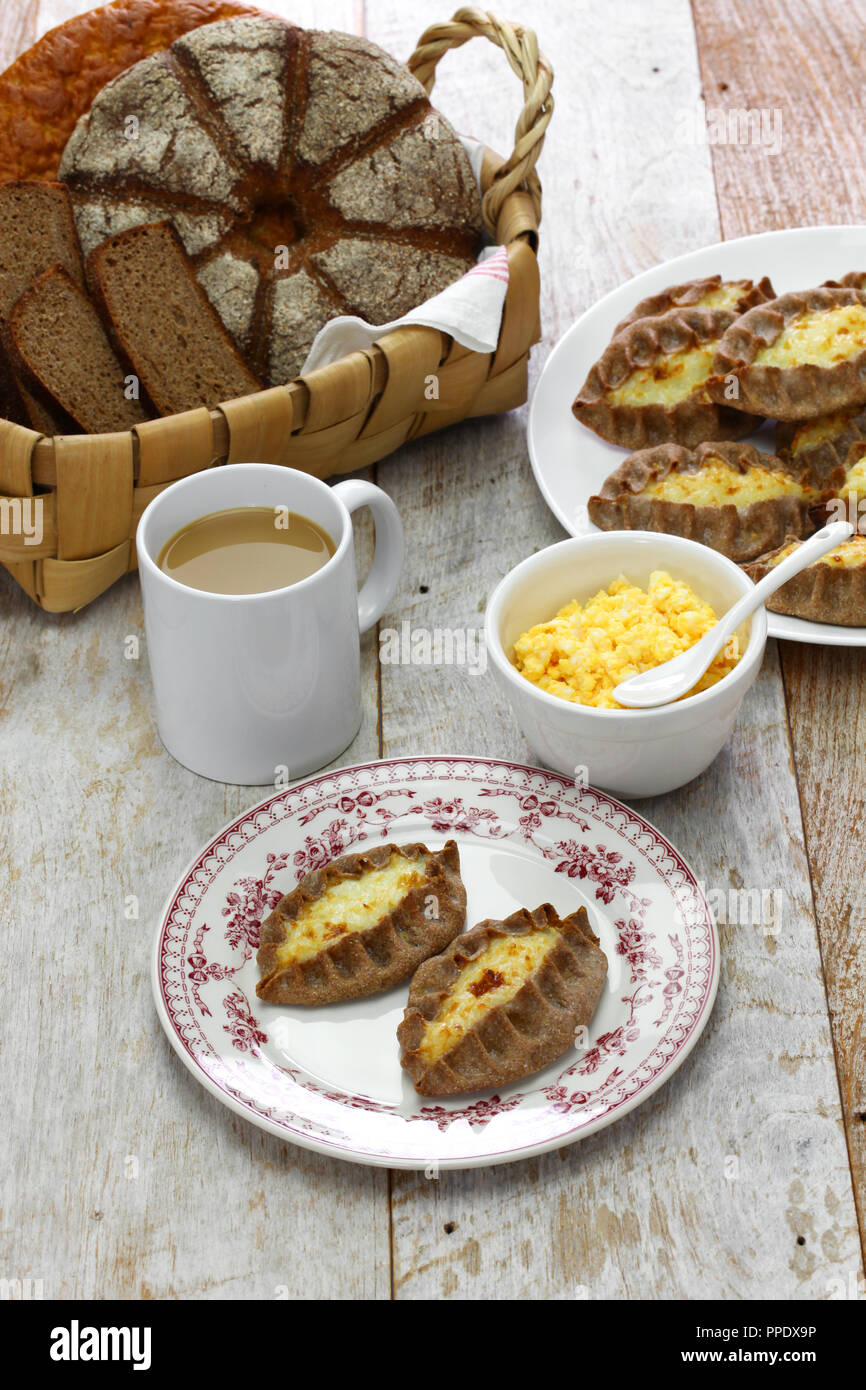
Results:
x,y
676,677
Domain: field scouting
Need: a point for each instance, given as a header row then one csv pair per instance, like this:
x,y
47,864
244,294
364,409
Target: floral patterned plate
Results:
x,y
330,1078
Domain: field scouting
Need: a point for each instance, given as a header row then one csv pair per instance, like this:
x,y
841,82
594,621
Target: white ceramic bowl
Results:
x,y
632,752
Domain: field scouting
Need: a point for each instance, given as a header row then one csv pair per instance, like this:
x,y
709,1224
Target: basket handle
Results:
x,y
521,49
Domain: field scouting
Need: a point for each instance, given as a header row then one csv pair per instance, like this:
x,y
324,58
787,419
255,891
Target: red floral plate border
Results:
x,y
656,929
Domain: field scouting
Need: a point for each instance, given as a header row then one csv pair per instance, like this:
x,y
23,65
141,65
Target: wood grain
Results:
x,y
805,63
19,26
818,176
643,1210
124,1177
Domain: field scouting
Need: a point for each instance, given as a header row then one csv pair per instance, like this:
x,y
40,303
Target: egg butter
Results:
x,y
583,653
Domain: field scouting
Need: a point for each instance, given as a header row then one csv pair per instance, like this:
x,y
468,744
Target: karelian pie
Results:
x,y
650,384
361,924
831,590
854,280
730,497
822,446
798,357
712,292
847,499
503,1001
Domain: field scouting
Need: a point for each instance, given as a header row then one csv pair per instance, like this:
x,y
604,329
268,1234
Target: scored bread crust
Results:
x,y
800,392
688,422
365,962
50,85
306,173
691,293
516,1038
820,593
822,460
741,533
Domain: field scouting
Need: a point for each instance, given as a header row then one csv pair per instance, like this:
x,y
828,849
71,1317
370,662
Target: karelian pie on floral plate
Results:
x,y
361,924
730,497
650,384
831,590
712,292
503,1001
797,357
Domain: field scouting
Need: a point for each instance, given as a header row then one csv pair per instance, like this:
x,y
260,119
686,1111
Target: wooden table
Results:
x,y
742,1178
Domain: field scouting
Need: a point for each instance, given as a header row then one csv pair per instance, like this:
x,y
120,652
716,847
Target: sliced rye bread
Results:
x,y
37,231
163,322
59,350
40,416
12,404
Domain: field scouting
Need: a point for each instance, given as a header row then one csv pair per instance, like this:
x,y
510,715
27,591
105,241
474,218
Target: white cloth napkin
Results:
x,y
470,310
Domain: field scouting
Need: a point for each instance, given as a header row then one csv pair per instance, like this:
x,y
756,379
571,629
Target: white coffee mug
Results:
x,y
259,688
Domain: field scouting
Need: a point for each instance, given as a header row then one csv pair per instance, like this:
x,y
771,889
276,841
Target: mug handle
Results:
x,y
381,583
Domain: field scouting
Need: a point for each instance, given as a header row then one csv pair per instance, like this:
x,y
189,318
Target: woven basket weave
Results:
x,y
92,489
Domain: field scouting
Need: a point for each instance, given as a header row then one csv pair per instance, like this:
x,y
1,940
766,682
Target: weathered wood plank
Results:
x,y
829,738
124,1178
644,1209
802,64
19,26
95,810
817,176
706,1190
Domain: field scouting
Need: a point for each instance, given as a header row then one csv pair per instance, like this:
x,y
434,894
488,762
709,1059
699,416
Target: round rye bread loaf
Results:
x,y
306,174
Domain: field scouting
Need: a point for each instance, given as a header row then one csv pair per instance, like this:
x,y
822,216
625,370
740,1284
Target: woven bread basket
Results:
x,y
92,489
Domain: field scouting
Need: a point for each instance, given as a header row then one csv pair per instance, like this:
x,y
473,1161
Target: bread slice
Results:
x,y
12,404
163,321
41,416
58,348
37,230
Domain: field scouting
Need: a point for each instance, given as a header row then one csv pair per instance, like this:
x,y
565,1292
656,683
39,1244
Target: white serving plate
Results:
x,y
329,1078
570,462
